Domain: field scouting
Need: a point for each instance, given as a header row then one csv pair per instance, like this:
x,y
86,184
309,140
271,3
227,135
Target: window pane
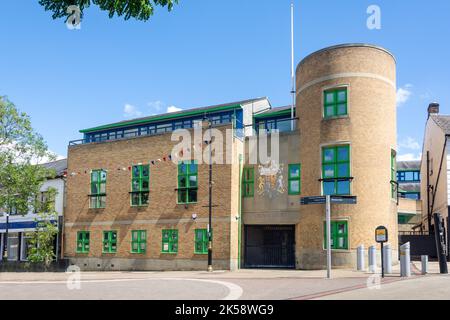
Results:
x,y
343,187
136,171
135,199
343,170
192,196
182,182
294,171
328,171
329,97
343,154
182,196
341,109
294,186
328,155
342,96
329,111
328,188
192,181
193,168
145,171
144,198
135,185
182,168
103,176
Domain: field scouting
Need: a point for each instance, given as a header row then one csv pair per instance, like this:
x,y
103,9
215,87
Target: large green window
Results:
x,y
109,241
339,235
138,241
169,241
394,174
98,189
336,170
140,185
187,182
335,103
294,179
83,241
201,241
248,183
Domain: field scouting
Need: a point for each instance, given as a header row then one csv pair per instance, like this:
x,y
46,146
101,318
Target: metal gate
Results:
x,y
269,247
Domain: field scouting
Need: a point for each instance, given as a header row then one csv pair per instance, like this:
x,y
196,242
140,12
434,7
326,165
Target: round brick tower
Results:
x,y
346,103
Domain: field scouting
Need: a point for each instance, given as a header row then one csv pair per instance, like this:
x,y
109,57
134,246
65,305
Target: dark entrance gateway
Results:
x,y
271,246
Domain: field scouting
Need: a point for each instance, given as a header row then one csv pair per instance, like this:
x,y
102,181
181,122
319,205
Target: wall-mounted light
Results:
x,y
194,216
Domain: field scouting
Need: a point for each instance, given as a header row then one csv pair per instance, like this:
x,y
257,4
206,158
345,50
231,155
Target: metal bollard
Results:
x,y
424,265
405,260
387,252
360,258
372,259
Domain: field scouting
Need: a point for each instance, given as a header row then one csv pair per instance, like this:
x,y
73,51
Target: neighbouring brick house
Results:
x,y
131,207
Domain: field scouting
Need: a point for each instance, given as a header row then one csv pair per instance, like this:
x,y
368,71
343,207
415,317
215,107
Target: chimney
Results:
x,y
433,108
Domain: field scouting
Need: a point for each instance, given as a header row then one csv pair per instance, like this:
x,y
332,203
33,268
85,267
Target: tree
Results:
x,y
41,249
21,148
137,9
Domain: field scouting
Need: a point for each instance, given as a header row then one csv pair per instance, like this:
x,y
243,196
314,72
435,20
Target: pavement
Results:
x,y
225,285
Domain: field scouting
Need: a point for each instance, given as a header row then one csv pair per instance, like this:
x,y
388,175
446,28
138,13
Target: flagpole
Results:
x,y
292,69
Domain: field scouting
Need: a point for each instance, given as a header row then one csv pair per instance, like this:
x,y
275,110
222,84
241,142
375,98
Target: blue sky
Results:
x,y
207,52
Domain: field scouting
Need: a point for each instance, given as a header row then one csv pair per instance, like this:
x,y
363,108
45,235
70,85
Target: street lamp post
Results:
x,y
210,267
5,242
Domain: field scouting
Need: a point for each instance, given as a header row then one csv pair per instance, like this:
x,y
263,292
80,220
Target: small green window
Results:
x,y
201,241
187,182
335,103
83,242
169,241
339,235
394,174
336,170
138,241
248,184
109,241
294,179
98,189
140,185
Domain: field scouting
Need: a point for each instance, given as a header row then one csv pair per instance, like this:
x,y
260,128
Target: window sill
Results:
x,y
335,118
339,250
171,253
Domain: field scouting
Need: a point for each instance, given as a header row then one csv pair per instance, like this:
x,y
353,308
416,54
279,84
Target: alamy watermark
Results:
x,y
374,19
73,21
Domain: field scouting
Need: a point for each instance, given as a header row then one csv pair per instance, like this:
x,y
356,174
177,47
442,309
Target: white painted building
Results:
x,y
20,225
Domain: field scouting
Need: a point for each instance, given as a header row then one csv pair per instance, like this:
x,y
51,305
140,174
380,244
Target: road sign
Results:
x,y
381,235
334,200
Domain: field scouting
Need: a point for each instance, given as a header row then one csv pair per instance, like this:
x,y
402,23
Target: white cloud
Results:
x,y
409,157
171,109
409,143
403,94
130,111
156,105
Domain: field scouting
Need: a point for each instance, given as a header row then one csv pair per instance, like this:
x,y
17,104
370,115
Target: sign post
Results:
x,y
328,223
381,236
328,200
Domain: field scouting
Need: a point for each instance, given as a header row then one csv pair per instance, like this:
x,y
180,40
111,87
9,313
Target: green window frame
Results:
x,y
336,178
83,239
339,235
201,241
187,182
248,182
109,242
335,103
138,241
294,179
98,189
394,185
169,241
140,185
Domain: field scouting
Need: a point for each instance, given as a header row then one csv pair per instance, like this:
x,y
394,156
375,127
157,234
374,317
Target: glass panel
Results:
x,y
329,97
342,96
182,168
328,171
182,182
343,154
145,184
103,175
192,196
136,171
328,155
135,185
343,170
329,111
341,109
284,125
102,188
343,187
193,168
294,171
182,194
294,186
145,171
192,181
328,188
144,198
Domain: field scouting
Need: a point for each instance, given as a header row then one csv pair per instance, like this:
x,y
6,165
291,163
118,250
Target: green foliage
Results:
x,y
20,149
137,9
41,241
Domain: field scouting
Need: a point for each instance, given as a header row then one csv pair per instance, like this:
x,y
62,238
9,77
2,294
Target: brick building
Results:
x,y
131,205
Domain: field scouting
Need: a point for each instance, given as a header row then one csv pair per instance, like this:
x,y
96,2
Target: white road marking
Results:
x,y
235,291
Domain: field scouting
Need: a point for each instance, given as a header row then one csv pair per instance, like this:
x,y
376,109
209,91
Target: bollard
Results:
x,y
372,259
387,252
360,258
424,265
405,260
